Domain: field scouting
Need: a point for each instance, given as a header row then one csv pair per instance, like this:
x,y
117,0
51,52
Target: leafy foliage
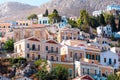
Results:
x,y
32,16
9,45
54,17
113,77
72,23
60,72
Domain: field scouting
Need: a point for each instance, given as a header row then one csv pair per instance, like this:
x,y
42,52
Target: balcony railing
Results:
x,y
30,49
52,52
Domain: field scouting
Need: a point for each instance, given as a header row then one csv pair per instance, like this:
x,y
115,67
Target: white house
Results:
x,y
63,22
109,58
43,20
97,13
106,31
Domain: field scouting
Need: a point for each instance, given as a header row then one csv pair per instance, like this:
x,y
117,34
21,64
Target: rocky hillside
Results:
x,y
13,10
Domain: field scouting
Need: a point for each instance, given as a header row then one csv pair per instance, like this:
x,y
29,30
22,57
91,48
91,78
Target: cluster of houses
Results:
x,y
62,45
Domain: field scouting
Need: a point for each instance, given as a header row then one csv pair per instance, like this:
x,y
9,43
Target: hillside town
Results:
x,y
53,47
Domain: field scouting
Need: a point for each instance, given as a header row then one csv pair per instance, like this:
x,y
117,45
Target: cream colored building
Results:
x,y
28,48
102,40
80,51
83,68
69,34
51,50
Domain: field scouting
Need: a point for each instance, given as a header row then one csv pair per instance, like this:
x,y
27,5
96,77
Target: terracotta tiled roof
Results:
x,y
37,25
5,24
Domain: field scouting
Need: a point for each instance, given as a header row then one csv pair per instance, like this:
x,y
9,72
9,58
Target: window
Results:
x,y
110,61
57,49
104,60
26,24
70,54
95,72
23,24
52,58
99,58
93,57
38,47
27,55
33,46
80,55
57,58
114,61
38,56
20,24
40,22
87,71
51,49
83,71
19,46
46,48
88,56
28,46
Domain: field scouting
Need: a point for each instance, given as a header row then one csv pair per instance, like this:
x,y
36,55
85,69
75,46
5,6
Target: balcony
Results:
x,y
30,49
52,52
112,64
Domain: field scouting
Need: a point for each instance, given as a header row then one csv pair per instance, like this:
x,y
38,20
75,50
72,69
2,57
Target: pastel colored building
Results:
x,y
23,23
106,31
4,28
63,22
28,48
51,50
81,52
102,40
95,71
69,34
23,33
43,20
117,51
102,47
109,58
113,7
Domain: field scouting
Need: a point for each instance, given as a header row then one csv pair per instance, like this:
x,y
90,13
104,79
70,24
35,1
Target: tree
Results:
x,y
61,73
93,22
42,74
32,16
54,17
46,13
79,22
72,23
102,20
84,16
113,77
9,45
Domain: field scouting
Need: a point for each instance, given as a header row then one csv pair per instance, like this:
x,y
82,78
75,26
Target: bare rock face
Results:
x,y
15,10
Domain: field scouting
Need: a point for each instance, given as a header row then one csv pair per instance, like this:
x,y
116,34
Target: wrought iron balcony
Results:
x,y
52,52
